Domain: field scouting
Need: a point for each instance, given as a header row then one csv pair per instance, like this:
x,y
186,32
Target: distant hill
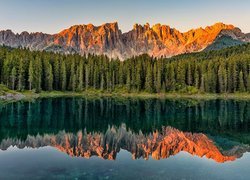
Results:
x,y
223,42
228,38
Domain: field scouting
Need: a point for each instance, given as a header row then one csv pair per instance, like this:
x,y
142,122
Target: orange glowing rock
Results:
x,y
158,40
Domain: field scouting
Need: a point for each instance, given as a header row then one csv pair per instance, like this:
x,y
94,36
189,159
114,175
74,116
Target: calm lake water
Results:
x,y
77,138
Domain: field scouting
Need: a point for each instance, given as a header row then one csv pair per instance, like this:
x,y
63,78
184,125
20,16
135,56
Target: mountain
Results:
x,y
158,40
228,38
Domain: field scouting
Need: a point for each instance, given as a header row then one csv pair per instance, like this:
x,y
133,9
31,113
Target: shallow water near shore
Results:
x,y
108,138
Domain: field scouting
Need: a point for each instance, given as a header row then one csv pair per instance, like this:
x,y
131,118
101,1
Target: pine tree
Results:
x,y
189,75
13,77
241,82
113,80
248,82
50,78
196,77
211,80
108,79
63,76
102,81
121,74
31,75
38,74
222,79
232,77
95,76
138,77
72,81
202,85
21,75
224,74
56,73
86,77
180,75
128,81
80,76
169,78
6,72
149,79
159,77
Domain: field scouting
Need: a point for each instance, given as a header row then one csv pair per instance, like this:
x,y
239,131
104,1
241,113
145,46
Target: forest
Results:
x,y
222,71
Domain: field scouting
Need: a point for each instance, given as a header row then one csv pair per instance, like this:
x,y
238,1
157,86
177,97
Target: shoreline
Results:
x,y
146,95
29,95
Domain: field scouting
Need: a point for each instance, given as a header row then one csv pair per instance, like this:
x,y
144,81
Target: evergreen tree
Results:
x,y
241,82
13,77
80,76
86,77
21,75
128,81
63,77
50,78
149,79
197,77
232,77
222,79
202,85
158,73
211,80
170,78
189,75
72,81
38,74
102,81
180,75
248,82
138,77
31,75
56,73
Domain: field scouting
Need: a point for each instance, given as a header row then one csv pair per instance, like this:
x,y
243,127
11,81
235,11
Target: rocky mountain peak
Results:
x,y
157,40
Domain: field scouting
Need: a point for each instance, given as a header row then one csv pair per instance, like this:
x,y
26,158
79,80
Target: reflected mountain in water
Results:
x,y
106,145
216,129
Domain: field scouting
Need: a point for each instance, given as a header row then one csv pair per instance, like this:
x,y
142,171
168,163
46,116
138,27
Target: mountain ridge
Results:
x,y
157,40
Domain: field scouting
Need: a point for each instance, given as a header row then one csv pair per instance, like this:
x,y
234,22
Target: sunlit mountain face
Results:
x,y
107,39
215,129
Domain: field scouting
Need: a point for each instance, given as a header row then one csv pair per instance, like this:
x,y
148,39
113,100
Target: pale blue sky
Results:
x,y
51,16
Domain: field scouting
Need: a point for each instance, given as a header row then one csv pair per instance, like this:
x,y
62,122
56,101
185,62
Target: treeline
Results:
x,y
224,71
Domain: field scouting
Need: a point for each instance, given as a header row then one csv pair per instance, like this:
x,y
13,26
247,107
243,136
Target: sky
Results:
x,y
52,16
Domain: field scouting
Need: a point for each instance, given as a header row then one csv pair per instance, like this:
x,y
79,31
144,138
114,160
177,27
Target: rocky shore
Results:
x,y
10,97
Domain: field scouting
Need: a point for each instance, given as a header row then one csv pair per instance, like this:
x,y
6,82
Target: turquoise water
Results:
x,y
76,138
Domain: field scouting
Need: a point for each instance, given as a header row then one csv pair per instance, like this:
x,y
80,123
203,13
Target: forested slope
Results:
x,y
223,71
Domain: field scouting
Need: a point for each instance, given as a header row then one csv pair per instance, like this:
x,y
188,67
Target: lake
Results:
x,y
125,138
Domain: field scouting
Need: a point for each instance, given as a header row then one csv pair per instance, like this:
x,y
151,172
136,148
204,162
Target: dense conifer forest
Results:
x,y
223,71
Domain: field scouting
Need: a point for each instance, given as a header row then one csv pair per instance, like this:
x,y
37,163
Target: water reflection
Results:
x,y
216,129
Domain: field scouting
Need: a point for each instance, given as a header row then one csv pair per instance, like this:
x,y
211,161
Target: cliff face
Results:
x,y
106,145
34,41
161,40
91,39
158,40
